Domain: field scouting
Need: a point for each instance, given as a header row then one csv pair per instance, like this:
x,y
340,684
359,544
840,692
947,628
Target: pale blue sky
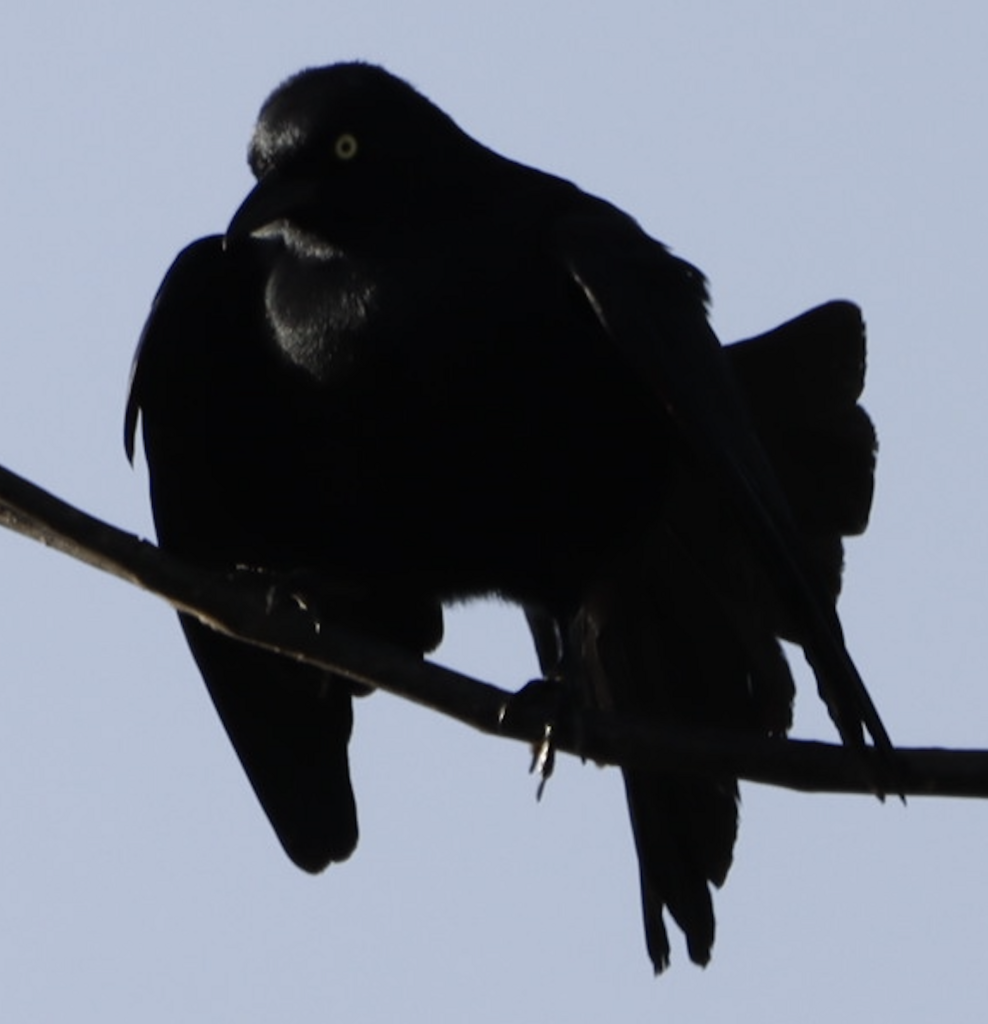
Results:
x,y
795,152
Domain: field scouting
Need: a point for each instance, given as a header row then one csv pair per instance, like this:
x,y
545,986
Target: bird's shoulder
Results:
x,y
199,325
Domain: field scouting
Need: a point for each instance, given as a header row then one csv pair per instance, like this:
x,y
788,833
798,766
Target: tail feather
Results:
x,y
687,631
659,645
684,834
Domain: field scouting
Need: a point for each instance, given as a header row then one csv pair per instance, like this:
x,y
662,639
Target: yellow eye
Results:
x,y
345,146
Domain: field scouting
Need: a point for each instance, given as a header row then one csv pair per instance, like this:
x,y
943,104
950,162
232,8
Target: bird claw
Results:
x,y
290,592
544,758
307,599
549,699
318,596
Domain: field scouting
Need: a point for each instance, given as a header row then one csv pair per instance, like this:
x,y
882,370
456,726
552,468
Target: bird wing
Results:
x,y
200,383
652,306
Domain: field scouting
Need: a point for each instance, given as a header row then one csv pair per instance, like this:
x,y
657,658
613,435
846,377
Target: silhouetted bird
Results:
x,y
414,371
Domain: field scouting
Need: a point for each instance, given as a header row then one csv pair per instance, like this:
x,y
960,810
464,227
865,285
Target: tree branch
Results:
x,y
240,605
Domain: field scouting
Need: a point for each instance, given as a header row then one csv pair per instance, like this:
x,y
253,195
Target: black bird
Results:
x,y
413,371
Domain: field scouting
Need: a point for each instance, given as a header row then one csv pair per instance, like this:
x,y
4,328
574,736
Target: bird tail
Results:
x,y
660,644
687,630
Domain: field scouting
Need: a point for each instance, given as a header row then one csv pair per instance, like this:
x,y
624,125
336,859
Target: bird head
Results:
x,y
349,155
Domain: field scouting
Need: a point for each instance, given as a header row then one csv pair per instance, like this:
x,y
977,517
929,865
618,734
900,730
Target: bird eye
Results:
x,y
345,147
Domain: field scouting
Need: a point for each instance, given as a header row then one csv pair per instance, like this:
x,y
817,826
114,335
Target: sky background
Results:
x,y
794,151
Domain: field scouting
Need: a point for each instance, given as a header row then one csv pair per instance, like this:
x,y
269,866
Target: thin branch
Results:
x,y
240,604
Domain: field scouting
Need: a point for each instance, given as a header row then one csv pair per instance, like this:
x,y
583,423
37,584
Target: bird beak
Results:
x,y
274,198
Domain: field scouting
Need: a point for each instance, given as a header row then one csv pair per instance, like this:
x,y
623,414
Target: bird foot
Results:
x,y
308,599
549,700
306,591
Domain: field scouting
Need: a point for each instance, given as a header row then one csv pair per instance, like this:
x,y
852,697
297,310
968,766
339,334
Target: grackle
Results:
x,y
414,372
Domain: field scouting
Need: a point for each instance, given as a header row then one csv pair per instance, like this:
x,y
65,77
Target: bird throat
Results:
x,y
317,308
